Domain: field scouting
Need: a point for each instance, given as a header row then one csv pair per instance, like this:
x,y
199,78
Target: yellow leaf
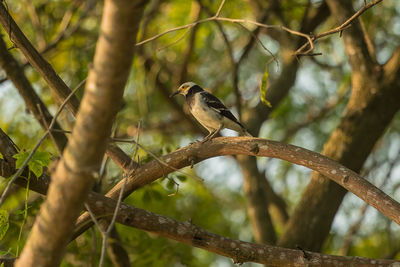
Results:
x,y
263,88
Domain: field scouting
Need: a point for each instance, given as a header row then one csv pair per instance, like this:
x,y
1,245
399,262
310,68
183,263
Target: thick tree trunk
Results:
x,y
372,105
260,198
81,160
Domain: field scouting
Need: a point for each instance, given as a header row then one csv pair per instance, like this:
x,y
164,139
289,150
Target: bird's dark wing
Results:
x,y
217,105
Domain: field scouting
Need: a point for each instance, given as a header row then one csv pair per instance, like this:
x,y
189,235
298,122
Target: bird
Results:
x,y
209,111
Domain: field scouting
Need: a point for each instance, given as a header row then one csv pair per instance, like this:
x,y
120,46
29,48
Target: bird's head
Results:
x,y
184,89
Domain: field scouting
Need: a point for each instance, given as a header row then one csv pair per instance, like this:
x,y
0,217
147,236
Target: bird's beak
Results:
x,y
176,93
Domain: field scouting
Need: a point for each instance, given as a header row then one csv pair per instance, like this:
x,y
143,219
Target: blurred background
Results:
x,y
256,200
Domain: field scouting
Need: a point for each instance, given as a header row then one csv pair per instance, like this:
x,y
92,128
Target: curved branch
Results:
x,y
224,146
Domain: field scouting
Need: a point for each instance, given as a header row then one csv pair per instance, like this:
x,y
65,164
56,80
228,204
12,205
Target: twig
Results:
x,y
36,23
47,129
220,8
341,27
110,227
20,170
176,41
177,187
299,52
261,43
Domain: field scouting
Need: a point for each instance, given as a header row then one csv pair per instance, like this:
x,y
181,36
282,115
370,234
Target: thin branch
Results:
x,y
235,75
58,148
176,41
339,28
220,8
36,23
299,52
110,227
32,101
261,43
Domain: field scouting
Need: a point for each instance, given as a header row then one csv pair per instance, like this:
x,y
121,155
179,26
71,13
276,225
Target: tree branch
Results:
x,y
223,146
239,251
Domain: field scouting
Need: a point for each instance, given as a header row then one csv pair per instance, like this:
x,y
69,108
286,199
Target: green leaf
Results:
x,y
3,223
263,88
37,169
20,157
43,157
39,160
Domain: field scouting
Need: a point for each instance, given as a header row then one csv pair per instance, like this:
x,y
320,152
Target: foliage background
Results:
x,y
218,204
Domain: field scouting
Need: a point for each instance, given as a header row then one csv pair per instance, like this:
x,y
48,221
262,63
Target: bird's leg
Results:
x,y
212,134
208,136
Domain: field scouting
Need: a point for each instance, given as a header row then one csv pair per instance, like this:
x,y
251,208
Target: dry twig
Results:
x,y
311,38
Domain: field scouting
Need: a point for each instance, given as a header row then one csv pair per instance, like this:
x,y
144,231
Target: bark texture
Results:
x,y
81,160
372,105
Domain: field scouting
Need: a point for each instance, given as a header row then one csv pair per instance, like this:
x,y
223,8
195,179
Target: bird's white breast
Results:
x,y
207,116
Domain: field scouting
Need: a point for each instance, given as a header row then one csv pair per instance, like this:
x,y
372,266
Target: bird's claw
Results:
x,y
205,140
194,142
